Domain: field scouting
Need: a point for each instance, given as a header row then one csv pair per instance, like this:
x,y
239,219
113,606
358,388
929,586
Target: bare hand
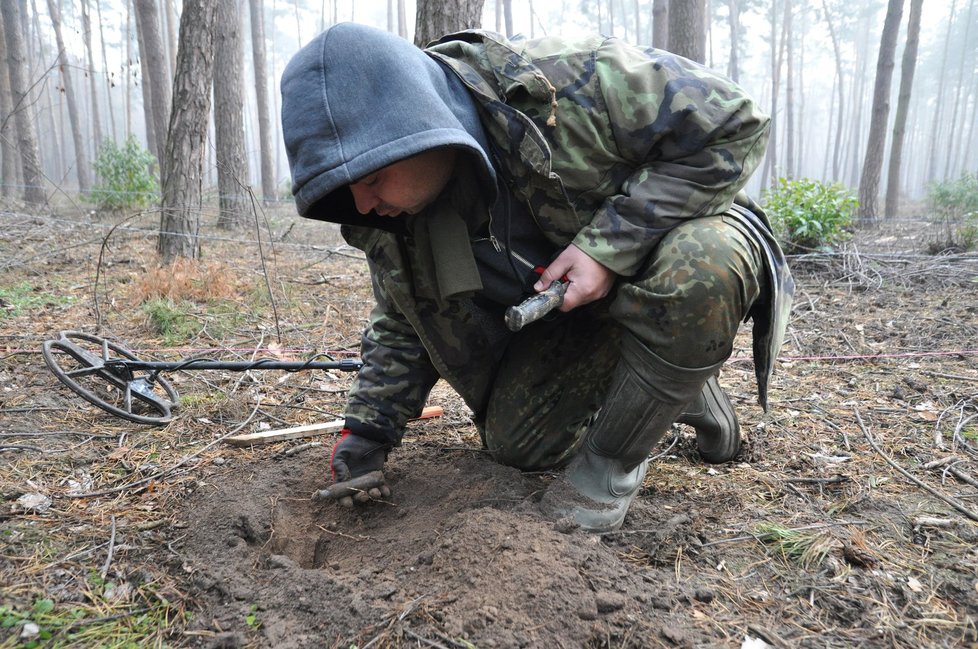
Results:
x,y
588,279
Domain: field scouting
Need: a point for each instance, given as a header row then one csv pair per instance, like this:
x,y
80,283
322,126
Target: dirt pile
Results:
x,y
460,553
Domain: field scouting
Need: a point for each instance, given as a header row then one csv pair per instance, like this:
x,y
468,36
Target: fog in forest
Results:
x,y
810,63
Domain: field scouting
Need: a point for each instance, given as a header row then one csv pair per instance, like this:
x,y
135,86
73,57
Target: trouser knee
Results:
x,y
686,304
552,379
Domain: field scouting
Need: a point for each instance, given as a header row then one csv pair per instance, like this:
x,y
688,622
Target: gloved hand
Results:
x,y
354,456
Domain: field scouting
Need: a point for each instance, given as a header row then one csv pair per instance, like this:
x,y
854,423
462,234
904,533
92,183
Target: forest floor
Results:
x,y
847,520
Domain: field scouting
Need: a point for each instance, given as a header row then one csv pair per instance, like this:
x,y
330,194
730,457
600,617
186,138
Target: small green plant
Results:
x,y
124,178
16,299
809,215
955,206
87,625
173,321
807,550
251,619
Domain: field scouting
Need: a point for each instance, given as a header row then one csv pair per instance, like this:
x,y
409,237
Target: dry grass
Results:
x,y
812,530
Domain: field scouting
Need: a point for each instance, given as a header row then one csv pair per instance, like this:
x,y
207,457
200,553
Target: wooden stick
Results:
x,y
309,430
953,502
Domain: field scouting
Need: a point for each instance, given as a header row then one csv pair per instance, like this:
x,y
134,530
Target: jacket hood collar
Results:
x,y
356,99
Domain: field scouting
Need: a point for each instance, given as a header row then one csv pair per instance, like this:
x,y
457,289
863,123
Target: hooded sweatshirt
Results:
x,y
357,99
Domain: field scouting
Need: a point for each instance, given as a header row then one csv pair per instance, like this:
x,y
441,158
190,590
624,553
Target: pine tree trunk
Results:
x,y
151,50
938,116
185,147
402,23
687,29
109,83
733,20
78,138
92,77
146,89
232,166
8,165
789,91
660,24
869,182
261,97
435,18
950,161
907,68
30,159
840,77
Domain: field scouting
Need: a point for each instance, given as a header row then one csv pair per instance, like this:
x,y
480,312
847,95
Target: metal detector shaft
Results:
x,y
345,365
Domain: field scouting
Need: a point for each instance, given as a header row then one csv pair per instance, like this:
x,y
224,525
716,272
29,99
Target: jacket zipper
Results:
x,y
499,248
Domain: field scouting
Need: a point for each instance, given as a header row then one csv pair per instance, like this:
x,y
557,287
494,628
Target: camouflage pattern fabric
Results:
x,y
611,147
685,306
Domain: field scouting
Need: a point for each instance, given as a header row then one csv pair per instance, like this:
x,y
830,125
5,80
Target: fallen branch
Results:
x,y
108,557
962,476
839,479
956,504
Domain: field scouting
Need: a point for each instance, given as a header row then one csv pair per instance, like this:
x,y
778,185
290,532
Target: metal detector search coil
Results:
x,y
109,376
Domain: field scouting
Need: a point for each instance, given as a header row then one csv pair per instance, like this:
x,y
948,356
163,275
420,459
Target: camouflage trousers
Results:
x,y
686,305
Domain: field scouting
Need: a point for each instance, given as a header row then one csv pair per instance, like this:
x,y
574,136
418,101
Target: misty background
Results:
x,y
823,54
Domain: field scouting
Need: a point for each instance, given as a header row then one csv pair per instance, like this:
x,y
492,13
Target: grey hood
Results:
x,y
356,99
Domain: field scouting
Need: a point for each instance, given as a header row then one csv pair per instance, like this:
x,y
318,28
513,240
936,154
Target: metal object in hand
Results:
x,y
351,487
535,307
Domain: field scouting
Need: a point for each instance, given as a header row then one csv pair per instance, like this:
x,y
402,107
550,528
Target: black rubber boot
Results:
x,y
712,415
646,396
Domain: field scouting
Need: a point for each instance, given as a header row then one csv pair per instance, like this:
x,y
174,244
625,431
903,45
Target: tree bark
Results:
x,y
907,68
402,23
840,84
733,20
151,50
92,81
232,166
789,91
770,172
687,29
261,97
8,166
953,145
869,182
20,103
185,144
153,143
938,109
660,24
436,18
74,119
109,83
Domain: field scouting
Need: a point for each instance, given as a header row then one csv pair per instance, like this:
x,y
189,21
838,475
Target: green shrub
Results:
x,y
809,215
955,205
124,178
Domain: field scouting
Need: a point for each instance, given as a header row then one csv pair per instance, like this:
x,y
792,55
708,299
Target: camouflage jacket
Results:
x,y
609,146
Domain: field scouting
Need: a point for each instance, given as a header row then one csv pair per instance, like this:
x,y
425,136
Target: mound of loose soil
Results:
x,y
846,520
461,552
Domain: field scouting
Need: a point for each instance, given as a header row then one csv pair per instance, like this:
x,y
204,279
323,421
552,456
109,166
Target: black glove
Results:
x,y
354,456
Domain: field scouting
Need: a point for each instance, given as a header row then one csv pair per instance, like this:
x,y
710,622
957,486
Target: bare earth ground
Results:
x,y
848,520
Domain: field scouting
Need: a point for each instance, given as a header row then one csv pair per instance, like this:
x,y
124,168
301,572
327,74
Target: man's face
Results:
x,y
407,185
